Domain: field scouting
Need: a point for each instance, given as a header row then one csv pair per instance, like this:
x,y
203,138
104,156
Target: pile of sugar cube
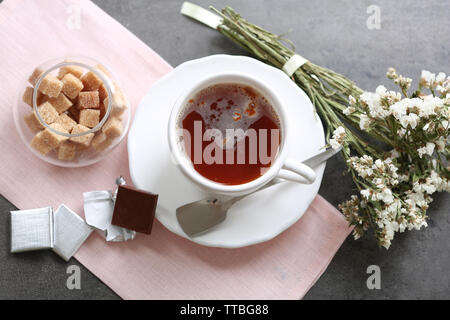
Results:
x,y
74,101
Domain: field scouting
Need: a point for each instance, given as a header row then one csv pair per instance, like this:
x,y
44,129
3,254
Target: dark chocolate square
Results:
x,y
134,209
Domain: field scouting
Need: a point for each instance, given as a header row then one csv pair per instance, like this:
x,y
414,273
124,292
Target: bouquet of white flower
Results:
x,y
395,189
395,144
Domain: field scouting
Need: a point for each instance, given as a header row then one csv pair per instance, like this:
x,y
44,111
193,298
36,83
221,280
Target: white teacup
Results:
x,y
282,166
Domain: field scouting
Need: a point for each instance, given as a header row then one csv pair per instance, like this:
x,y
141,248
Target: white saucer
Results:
x,y
258,217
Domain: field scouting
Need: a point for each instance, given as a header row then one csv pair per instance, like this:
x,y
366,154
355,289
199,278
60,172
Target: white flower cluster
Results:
x,y
382,175
431,184
408,111
351,108
350,209
427,113
438,82
403,82
378,103
395,190
338,138
391,73
393,213
383,103
427,149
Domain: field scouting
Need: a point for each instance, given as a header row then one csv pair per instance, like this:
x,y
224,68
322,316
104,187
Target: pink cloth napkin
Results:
x,y
163,265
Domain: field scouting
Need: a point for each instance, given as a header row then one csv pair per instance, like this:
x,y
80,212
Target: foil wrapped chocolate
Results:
x,y
62,230
31,229
134,209
70,232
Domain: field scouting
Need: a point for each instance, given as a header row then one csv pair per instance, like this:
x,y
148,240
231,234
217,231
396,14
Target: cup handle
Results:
x,y
297,172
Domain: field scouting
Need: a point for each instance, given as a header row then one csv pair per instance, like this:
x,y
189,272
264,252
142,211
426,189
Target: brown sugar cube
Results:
x,y
77,71
61,103
102,92
67,122
82,147
71,86
120,118
48,113
28,97
101,141
74,113
84,140
88,100
67,151
120,102
113,128
53,139
33,122
91,81
39,144
118,106
35,76
89,117
103,69
51,86
102,109
41,98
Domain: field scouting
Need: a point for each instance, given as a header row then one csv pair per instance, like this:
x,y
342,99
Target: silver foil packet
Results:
x,y
98,212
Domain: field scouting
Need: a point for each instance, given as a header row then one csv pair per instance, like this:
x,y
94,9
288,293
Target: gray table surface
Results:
x,y
413,35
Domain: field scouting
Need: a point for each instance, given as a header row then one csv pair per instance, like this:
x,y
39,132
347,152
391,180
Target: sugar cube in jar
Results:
x,y
72,112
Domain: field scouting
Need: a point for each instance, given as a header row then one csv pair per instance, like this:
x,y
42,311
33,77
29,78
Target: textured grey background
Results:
x,y
414,35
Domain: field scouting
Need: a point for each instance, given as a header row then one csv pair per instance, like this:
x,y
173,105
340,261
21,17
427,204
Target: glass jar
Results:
x,y
71,112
